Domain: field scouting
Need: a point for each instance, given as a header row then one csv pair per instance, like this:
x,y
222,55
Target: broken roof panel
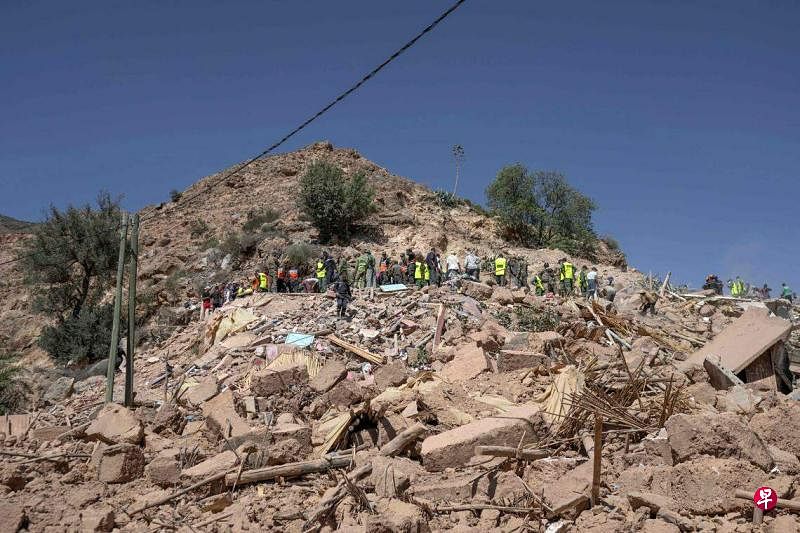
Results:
x,y
744,340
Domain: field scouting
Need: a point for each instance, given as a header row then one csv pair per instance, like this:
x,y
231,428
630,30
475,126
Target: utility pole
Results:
x,y
112,349
132,269
458,156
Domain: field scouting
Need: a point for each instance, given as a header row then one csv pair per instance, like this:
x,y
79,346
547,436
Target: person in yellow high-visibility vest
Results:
x,y
321,274
419,274
500,264
737,287
263,282
567,277
538,285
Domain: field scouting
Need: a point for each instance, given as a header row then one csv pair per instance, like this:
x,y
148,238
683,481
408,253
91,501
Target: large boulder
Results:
x,y
473,289
59,390
116,424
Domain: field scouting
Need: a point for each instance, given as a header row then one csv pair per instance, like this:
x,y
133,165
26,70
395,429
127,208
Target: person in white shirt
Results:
x,y
453,268
591,279
472,265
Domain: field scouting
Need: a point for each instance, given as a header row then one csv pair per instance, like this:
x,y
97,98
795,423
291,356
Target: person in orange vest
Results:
x,y
281,279
294,279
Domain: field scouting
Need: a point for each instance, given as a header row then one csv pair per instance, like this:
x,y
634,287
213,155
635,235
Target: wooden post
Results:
x,y
132,270
665,284
112,349
758,516
598,455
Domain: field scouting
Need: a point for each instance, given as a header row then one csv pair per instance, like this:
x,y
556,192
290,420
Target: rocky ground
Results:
x,y
467,407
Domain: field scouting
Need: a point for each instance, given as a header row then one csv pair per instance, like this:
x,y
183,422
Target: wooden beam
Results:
x,y
598,457
289,470
364,354
437,338
792,505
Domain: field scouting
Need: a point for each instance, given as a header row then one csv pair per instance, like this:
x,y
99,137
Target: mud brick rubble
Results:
x,y
425,411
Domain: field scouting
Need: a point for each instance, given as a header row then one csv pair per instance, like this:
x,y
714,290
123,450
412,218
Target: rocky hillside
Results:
x,y
180,240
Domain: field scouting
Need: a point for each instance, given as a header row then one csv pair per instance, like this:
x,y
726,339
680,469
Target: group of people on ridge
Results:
x,y
738,288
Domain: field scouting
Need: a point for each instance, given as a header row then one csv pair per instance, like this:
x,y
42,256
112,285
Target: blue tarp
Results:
x,y
300,340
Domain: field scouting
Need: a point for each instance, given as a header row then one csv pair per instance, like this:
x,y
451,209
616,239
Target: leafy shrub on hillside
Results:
x,y
611,242
198,228
175,195
70,263
335,204
531,320
445,199
300,253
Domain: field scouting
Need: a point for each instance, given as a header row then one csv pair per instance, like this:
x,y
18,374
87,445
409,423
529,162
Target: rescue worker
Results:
x,y
344,270
370,273
343,296
330,271
383,269
522,277
609,292
648,301
419,272
431,261
548,277
786,292
281,279
591,283
583,286
398,272
472,265
294,279
713,283
500,265
361,271
538,285
737,287
321,271
567,276
263,282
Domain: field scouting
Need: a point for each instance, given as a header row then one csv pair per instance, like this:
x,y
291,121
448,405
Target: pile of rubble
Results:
x,y
467,407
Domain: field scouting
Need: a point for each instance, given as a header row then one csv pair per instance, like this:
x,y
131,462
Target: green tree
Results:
x,y
69,264
335,204
541,209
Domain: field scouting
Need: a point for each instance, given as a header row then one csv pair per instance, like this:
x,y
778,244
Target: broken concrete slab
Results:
x,y
569,495
276,380
454,448
391,375
722,435
222,418
328,376
202,392
121,463
468,363
650,500
744,340
97,519
116,424
508,360
473,289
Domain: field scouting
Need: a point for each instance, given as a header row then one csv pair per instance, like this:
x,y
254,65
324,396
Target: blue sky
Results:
x,y
681,119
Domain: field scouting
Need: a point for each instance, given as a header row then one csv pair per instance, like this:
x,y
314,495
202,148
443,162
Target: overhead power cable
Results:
x,y
241,166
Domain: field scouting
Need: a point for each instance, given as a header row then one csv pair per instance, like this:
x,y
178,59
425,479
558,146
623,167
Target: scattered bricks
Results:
x,y
98,519
390,375
272,381
214,465
49,433
658,445
720,435
121,463
780,426
59,390
163,471
468,363
202,392
454,448
115,424
222,418
654,502
396,516
473,289
502,296
13,517
329,375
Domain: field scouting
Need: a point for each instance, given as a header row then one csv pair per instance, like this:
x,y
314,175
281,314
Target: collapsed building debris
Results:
x,y
426,410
